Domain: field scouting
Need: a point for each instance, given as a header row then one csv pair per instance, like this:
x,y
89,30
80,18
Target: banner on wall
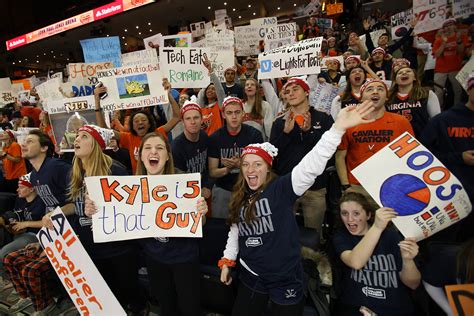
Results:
x,y
430,13
302,58
132,87
78,274
247,40
280,35
184,67
134,207
102,49
407,177
67,116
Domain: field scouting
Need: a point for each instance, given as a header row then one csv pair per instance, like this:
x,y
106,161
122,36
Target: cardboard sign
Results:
x,y
246,40
400,24
333,9
263,24
280,35
461,299
50,90
81,279
302,58
184,66
405,176
197,29
146,56
430,13
67,116
178,40
321,97
220,39
462,8
131,207
465,72
83,78
132,87
102,49
152,42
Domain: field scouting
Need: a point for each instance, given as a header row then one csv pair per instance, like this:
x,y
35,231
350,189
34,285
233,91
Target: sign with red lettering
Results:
x,y
81,279
430,14
461,299
132,207
407,177
83,77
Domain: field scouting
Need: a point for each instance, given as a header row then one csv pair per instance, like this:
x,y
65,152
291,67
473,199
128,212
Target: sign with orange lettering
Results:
x,y
336,8
408,178
461,299
132,207
81,279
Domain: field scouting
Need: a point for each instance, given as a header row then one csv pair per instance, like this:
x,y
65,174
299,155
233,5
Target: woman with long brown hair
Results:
x,y
258,112
264,232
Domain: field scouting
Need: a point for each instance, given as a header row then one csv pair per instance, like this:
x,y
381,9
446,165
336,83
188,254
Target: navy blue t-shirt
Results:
x,y
30,211
377,285
270,245
51,182
191,157
224,145
82,225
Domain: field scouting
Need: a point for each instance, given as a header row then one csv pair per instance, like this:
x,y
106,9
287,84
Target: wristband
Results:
x,y
227,262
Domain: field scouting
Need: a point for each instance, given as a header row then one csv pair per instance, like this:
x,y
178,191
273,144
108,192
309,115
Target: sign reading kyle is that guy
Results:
x,y
132,87
183,66
302,58
134,207
78,274
405,176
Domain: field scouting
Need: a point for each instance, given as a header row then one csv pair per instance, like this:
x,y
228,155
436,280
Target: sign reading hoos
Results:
x,y
131,207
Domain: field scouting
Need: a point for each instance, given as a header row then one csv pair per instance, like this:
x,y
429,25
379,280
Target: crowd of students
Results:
x,y
264,153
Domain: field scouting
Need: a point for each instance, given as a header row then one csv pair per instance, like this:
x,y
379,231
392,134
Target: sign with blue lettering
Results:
x,y
102,49
131,207
407,177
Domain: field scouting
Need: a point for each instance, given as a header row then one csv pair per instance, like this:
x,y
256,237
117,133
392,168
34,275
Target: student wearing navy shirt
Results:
x,y
231,87
225,146
264,232
378,267
379,65
172,263
190,148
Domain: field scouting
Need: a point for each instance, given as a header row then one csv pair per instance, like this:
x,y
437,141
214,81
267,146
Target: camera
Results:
x,y
102,95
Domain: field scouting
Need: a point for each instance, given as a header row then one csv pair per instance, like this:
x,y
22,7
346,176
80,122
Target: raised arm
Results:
x,y
99,114
271,96
174,106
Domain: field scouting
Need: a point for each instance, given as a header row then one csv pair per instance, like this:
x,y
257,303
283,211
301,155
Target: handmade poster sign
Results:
x,y
430,13
6,91
462,8
145,56
132,87
23,95
81,279
461,299
374,36
67,116
298,59
400,23
322,96
184,66
50,90
102,49
465,72
220,39
246,40
263,24
83,78
405,176
152,42
134,207
280,35
197,29
178,40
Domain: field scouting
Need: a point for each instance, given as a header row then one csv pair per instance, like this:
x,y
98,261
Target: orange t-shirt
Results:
x,y
13,170
132,143
450,60
211,119
362,141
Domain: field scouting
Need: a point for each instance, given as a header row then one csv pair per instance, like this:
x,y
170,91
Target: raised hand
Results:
x,y
383,216
354,115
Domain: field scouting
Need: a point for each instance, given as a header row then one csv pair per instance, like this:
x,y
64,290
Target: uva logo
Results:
x,y
266,65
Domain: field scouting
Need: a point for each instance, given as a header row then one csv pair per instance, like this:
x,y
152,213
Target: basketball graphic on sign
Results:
x,y
405,193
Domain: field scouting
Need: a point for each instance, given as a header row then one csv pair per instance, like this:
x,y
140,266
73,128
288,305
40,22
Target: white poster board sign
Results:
x,y
321,97
132,87
83,78
197,29
430,13
81,279
145,56
405,176
220,61
152,42
131,207
6,91
302,58
220,39
50,90
280,35
374,36
399,23
184,66
247,40
465,72
463,8
67,116
263,24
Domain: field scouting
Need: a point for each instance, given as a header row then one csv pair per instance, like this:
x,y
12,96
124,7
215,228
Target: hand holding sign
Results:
x,y
383,216
408,248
